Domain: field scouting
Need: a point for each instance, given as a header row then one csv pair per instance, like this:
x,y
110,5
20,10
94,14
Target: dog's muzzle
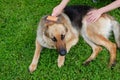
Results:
x,y
62,52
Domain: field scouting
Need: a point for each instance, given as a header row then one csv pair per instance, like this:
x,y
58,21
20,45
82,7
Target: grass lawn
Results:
x,y
18,24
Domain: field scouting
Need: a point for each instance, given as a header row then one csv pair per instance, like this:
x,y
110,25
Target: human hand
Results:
x,y
93,16
57,10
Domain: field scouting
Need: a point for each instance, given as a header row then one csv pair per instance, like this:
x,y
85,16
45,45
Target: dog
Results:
x,y
64,33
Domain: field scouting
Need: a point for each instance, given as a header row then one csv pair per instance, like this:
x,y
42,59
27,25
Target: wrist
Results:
x,y
101,10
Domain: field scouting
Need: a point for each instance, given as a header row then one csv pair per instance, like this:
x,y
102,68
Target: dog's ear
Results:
x,y
45,22
46,33
63,19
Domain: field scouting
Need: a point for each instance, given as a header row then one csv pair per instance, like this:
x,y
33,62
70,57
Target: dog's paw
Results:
x,y
32,68
112,65
60,64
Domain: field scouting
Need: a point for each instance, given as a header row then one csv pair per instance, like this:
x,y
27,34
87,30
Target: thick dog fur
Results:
x,y
65,32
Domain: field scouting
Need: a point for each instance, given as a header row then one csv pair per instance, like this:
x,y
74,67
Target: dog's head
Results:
x,y
56,32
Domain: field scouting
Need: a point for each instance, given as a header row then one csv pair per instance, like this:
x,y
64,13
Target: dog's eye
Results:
x,y
62,37
54,39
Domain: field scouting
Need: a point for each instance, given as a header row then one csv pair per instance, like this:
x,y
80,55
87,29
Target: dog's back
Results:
x,y
76,14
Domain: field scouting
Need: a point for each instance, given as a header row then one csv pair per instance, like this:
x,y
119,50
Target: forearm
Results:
x,y
59,8
110,7
64,3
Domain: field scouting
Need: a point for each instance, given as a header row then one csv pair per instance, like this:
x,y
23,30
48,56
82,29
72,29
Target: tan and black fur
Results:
x,y
64,33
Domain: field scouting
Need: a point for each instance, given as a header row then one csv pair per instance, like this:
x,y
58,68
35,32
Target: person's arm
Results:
x,y
58,9
110,7
95,14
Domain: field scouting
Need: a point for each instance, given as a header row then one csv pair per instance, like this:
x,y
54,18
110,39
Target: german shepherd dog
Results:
x,y
64,33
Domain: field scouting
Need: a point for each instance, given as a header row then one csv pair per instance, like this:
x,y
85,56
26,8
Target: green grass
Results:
x,y
18,24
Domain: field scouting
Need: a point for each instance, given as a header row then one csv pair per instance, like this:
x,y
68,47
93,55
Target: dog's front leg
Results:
x,y
34,63
71,43
61,60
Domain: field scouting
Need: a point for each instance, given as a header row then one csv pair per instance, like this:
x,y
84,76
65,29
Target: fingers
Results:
x,y
89,13
93,16
55,12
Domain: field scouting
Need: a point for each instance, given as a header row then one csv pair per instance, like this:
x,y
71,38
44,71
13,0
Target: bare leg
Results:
x,y
34,63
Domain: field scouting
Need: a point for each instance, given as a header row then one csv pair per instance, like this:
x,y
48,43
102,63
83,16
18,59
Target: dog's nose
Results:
x,y
63,52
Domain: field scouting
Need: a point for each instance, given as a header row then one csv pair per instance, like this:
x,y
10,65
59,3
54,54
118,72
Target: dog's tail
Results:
x,y
116,31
